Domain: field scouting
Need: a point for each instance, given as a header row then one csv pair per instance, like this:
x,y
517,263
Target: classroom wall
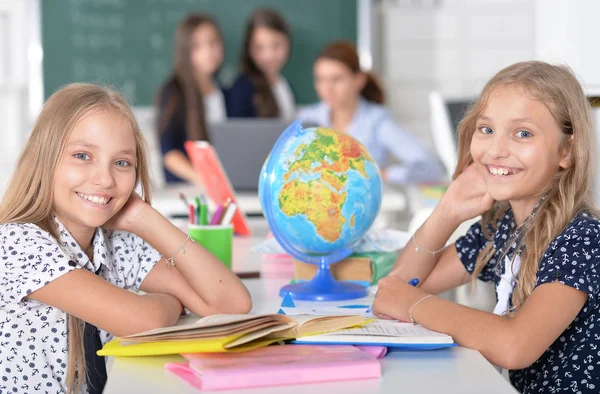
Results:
x,y
13,83
453,46
419,45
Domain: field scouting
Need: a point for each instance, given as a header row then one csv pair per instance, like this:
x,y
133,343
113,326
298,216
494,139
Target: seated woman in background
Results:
x,y
191,98
352,102
261,91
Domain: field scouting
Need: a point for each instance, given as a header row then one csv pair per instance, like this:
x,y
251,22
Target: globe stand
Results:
x,y
323,287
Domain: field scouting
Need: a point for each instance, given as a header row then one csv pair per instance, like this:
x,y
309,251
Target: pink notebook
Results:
x,y
276,366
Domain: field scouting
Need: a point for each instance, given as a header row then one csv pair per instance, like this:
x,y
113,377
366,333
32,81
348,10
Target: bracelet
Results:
x,y
413,307
171,260
418,248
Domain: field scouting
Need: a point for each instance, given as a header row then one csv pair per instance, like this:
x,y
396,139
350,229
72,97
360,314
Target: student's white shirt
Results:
x,y
34,335
284,98
214,106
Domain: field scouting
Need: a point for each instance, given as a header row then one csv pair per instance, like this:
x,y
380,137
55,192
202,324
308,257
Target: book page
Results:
x,y
386,330
210,322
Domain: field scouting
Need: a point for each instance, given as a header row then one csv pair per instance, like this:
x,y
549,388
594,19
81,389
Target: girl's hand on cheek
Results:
x,y
129,214
467,196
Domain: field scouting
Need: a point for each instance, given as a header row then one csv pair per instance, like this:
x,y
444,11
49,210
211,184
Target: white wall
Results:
x,y
13,83
453,46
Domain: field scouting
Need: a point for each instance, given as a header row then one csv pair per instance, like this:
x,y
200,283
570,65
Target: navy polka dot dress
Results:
x,y
572,363
33,336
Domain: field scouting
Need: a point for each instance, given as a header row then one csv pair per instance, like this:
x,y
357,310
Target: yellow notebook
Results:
x,y
226,333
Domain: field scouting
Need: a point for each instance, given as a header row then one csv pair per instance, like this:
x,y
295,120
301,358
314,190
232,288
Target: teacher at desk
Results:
x,y
352,102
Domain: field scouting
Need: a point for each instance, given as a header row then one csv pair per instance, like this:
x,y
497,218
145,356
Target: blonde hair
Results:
x,y
29,195
569,192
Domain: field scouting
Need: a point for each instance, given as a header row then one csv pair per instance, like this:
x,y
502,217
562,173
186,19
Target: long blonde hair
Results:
x,y
570,190
29,195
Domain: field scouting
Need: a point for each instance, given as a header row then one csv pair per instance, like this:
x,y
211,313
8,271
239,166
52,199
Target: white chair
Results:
x,y
442,132
146,120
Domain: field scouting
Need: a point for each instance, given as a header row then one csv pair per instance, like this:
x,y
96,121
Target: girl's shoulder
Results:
x,y
25,233
581,234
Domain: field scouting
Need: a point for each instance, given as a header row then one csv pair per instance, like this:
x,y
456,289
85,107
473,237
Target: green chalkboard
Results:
x,y
128,43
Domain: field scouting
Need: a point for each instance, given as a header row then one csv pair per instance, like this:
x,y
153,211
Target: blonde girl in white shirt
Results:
x,y
74,236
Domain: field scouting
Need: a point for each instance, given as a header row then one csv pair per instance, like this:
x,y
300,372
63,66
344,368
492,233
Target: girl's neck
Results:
x,y
522,209
342,117
205,84
272,78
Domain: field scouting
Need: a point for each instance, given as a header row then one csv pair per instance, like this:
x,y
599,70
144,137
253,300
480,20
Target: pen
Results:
x,y
182,198
217,216
192,213
228,215
197,213
203,219
412,282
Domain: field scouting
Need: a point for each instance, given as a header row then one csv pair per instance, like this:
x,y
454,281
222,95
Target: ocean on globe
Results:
x,y
320,191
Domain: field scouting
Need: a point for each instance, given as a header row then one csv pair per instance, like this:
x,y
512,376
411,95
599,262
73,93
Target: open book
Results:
x,y
223,333
386,333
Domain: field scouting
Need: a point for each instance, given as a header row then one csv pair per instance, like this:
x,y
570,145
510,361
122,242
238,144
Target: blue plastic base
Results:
x,y
324,288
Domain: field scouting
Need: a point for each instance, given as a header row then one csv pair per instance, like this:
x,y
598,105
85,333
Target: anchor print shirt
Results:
x,y
572,363
33,336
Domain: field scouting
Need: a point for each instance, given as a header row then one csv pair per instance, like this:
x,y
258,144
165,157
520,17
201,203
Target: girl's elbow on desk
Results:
x,y
511,352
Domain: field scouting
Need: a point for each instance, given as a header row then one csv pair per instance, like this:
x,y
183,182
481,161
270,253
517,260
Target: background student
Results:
x,y
75,236
352,102
191,98
261,91
526,152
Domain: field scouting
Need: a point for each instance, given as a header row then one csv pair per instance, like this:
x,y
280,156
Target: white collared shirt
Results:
x,y
34,347
214,106
392,147
284,98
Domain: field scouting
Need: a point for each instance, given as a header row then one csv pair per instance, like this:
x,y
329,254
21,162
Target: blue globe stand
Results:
x,y
323,287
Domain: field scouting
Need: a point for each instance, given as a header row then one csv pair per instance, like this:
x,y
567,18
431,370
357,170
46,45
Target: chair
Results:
x,y
445,115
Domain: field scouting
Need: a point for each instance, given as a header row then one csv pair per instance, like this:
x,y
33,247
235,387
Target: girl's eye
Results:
x,y
81,156
486,130
122,163
523,134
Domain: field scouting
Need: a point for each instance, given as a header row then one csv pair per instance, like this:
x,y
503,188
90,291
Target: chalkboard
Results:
x,y
128,43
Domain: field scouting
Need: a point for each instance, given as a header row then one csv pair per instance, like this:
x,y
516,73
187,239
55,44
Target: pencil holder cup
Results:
x,y
217,239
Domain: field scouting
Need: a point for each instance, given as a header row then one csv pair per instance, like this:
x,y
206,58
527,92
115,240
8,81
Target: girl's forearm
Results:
x,y
215,288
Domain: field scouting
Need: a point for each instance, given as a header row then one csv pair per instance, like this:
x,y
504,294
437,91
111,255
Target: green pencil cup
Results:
x,y
217,239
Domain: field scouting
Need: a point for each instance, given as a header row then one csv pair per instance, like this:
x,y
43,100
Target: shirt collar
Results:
x,y
76,253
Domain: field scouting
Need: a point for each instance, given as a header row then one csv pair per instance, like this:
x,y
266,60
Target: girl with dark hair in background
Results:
x,y
191,98
261,91
352,102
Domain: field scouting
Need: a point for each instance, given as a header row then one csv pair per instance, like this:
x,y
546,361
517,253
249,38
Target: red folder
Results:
x,y
208,167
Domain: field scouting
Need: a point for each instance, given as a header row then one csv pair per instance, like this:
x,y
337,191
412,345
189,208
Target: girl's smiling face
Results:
x,y
517,146
97,172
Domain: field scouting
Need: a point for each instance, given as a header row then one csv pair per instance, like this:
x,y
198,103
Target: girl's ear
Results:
x,y
565,154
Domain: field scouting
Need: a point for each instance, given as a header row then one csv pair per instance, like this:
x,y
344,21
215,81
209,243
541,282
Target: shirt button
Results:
x,y
557,274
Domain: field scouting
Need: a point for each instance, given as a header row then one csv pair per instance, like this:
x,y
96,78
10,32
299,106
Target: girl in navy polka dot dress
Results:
x,y
525,165
75,237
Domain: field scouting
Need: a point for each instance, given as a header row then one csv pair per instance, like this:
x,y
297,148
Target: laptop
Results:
x,y
243,146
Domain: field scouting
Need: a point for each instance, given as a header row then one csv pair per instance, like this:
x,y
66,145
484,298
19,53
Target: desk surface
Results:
x,y
166,200
448,371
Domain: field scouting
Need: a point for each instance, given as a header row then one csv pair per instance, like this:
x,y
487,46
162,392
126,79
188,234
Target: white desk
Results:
x,y
454,370
166,200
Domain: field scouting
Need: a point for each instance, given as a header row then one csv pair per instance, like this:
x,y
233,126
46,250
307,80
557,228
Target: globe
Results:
x,y
320,192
